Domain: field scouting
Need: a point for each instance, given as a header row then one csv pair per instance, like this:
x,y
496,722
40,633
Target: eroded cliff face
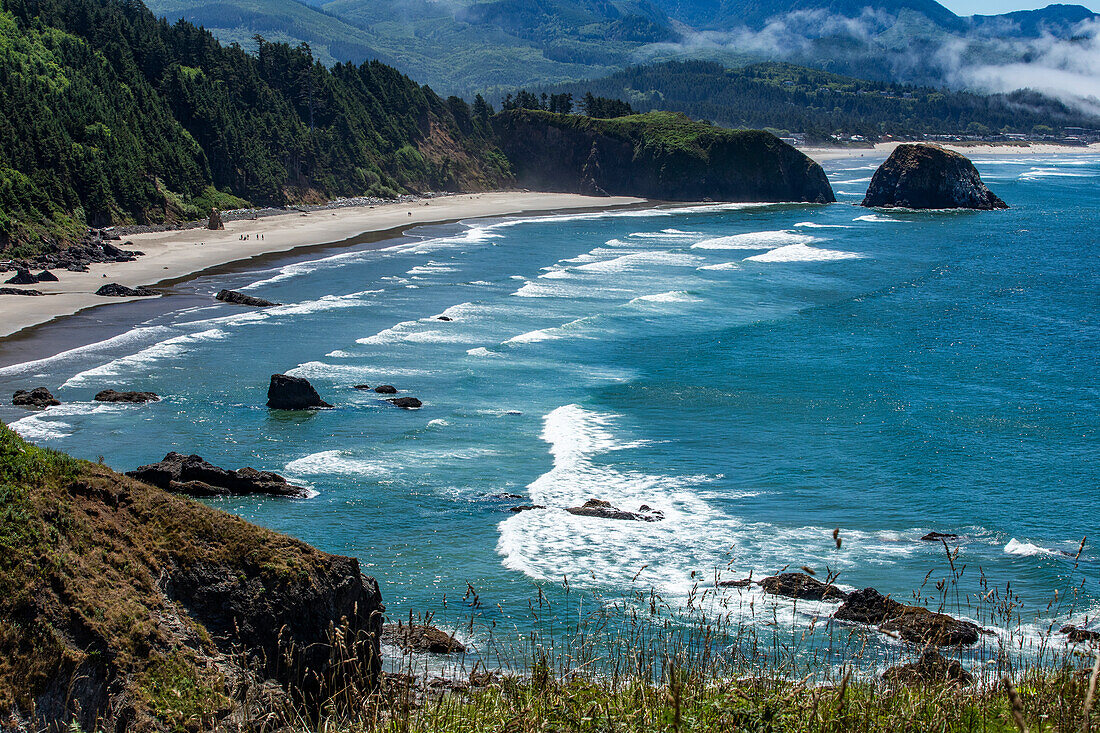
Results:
x,y
922,176
658,155
123,607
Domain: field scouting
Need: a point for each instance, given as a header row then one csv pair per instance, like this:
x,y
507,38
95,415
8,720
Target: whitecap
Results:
x,y
880,219
755,240
336,463
815,225
637,260
721,266
173,347
1026,549
672,296
803,253
482,351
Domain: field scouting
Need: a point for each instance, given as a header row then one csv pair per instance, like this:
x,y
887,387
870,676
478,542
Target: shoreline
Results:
x,y
178,255
822,154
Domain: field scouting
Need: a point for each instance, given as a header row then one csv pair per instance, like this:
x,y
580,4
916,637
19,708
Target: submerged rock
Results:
x,y
604,510
114,290
525,508
931,668
293,393
196,477
938,536
361,386
802,586
406,403
38,398
110,395
232,296
444,318
743,583
914,624
922,176
421,638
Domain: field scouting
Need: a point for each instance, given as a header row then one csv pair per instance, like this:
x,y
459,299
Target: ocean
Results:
x,y
762,374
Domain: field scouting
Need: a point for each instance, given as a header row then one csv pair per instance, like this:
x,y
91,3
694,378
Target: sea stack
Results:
x,y
920,176
292,393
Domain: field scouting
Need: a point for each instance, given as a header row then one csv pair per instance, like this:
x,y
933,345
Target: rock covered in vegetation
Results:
x,y
914,624
114,290
110,395
232,296
931,668
406,403
194,476
922,176
293,393
421,638
134,604
658,155
801,586
38,398
603,510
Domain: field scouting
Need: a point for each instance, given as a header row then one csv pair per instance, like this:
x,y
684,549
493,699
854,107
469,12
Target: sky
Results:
x,y
991,7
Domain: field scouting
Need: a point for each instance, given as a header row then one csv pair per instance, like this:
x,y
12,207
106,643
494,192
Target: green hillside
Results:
x,y
116,117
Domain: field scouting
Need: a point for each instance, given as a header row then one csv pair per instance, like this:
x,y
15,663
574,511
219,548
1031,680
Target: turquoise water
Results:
x,y
762,374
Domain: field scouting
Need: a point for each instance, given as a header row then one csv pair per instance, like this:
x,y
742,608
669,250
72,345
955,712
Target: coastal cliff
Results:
x,y
123,607
658,155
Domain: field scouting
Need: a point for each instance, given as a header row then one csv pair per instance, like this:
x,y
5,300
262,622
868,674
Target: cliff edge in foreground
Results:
x,y
658,155
123,607
922,176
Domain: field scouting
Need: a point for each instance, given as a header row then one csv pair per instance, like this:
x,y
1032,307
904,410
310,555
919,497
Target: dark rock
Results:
x,y
405,403
802,586
292,393
914,624
18,291
192,475
116,254
421,638
551,152
215,222
604,510
1079,636
76,267
444,318
38,398
938,536
232,296
114,290
385,389
526,508
47,277
931,668
361,386
922,176
110,395
22,277
744,583
504,496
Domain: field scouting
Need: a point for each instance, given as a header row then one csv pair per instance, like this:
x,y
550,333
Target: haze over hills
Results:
x,y
464,46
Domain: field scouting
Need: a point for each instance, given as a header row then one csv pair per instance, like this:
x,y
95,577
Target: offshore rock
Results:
x,y
914,624
38,398
196,477
801,586
232,296
1077,635
114,290
385,389
293,393
421,638
604,510
632,156
938,536
931,668
110,395
406,403
921,176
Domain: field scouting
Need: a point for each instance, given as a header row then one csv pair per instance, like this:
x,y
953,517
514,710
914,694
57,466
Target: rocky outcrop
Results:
x,y
194,476
1076,635
114,290
293,393
922,176
603,510
385,389
801,586
47,277
525,508
110,395
129,585
18,291
914,624
659,155
421,638
94,247
939,537
232,296
22,277
406,403
215,222
931,668
38,398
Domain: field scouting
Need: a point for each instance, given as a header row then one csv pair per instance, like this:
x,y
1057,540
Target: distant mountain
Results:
x,y
755,14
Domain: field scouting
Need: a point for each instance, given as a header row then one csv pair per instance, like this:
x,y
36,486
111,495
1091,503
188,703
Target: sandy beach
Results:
x,y
179,254
971,151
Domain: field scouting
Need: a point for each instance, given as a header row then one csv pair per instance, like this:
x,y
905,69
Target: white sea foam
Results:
x,y
46,425
322,304
815,225
482,351
639,260
134,335
1026,549
803,253
672,296
336,463
431,268
572,328
721,266
169,348
666,234
755,240
880,219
